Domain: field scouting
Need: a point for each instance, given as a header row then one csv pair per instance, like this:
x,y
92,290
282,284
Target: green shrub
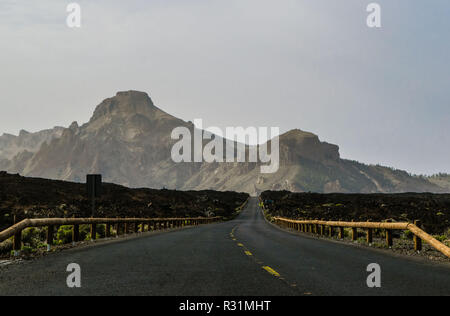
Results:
x,y
33,236
27,250
347,232
85,232
407,235
101,231
6,246
64,235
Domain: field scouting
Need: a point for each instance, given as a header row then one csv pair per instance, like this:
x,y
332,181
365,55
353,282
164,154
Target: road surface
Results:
x,y
246,256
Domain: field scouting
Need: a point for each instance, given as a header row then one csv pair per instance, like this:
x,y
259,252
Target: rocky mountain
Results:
x,y
128,140
11,145
441,179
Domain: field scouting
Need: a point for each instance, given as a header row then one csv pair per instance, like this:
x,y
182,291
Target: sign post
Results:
x,y
93,188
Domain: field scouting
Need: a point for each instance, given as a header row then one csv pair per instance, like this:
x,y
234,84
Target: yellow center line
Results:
x,y
267,268
271,271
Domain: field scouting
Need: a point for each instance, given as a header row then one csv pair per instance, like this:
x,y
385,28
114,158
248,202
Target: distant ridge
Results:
x,y
128,140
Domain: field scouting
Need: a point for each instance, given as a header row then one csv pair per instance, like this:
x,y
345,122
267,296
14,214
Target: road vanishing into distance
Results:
x,y
246,256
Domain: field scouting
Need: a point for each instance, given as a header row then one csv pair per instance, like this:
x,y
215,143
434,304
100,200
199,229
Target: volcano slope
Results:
x,y
36,198
433,210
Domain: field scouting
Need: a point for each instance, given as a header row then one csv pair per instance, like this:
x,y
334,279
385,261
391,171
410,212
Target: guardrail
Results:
x,y
123,226
323,228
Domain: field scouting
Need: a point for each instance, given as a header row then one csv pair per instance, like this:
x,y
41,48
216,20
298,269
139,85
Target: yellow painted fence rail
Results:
x,y
323,228
123,226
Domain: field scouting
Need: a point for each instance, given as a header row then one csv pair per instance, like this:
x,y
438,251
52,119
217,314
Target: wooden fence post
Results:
x,y
331,231
119,229
369,235
108,230
417,240
50,230
354,233
93,231
75,233
389,241
17,242
322,228
341,231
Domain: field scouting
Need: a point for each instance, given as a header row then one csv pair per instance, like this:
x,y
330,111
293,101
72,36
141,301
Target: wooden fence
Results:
x,y
323,228
123,226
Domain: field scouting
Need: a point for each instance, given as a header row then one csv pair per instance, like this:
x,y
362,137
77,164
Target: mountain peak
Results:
x,y
308,145
126,103
297,134
23,133
134,94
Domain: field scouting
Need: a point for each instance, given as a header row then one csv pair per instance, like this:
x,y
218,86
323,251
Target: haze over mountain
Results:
x,y
128,140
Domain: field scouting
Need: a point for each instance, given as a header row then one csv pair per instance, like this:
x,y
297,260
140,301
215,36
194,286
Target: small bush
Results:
x,y
85,232
101,231
6,246
347,232
64,235
33,237
406,235
362,240
27,250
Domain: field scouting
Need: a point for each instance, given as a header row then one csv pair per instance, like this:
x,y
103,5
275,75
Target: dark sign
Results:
x,y
94,185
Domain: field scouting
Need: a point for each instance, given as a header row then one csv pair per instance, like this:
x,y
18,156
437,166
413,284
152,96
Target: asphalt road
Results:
x,y
246,256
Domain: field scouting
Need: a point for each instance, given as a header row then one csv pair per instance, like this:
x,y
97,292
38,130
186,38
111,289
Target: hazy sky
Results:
x,y
382,95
